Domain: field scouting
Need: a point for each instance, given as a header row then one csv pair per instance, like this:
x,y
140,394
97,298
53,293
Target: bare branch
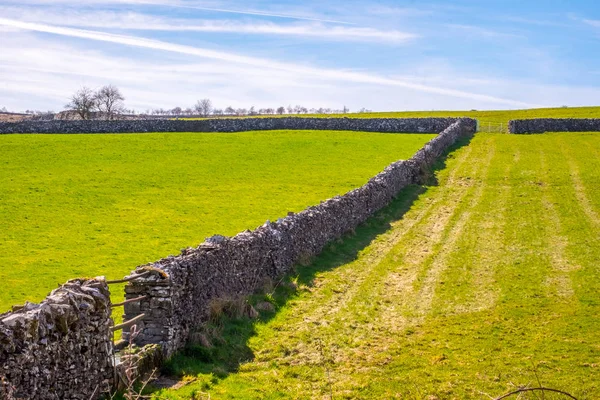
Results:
x,y
542,389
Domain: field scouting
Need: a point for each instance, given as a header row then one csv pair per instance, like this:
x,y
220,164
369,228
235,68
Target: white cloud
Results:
x,y
136,21
215,7
294,69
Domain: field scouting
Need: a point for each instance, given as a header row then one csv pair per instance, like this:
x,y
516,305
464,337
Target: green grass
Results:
x,y
495,117
481,283
90,205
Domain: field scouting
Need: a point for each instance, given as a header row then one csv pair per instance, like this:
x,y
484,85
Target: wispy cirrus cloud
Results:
x,y
592,22
331,74
138,21
478,31
202,6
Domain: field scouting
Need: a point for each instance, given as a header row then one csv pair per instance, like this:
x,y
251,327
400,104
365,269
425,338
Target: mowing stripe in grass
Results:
x,y
556,241
350,278
468,282
403,283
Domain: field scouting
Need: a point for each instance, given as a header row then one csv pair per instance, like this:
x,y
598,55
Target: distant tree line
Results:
x,y
109,103
204,108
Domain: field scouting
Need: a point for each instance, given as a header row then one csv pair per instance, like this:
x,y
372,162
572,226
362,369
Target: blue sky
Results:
x,y
381,55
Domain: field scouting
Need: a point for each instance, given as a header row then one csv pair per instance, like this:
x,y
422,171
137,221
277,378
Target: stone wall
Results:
x,y
61,348
541,125
407,125
180,289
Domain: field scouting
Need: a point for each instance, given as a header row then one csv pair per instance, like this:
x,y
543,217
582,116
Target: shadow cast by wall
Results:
x,y
223,342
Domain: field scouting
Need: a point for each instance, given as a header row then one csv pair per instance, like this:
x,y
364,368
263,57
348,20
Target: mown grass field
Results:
x,y
483,281
89,205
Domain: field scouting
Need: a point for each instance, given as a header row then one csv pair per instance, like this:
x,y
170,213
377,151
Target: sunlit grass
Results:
x,y
90,205
489,281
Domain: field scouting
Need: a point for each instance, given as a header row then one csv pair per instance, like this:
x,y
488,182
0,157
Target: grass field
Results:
x,y
90,205
481,283
494,117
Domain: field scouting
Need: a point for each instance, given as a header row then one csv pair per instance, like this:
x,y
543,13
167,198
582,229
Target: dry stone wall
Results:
x,y
179,289
541,125
406,125
61,348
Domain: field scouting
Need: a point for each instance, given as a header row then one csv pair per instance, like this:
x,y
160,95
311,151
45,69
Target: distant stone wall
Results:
x,y
61,348
224,267
541,125
406,125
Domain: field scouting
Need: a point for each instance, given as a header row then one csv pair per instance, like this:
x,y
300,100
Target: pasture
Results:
x,y
486,280
484,117
91,205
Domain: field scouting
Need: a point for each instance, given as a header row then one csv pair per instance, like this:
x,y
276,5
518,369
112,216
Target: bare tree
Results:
x,y
230,110
109,101
203,107
177,111
290,109
281,110
83,102
217,111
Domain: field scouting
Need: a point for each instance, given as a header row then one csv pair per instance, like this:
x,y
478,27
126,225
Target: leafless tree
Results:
x,y
109,101
346,110
217,111
290,109
281,110
203,107
177,111
83,102
241,111
230,110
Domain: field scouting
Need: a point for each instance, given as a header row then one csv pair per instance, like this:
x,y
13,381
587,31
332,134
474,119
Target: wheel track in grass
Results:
x,y
580,189
392,305
557,242
355,272
374,322
410,289
424,298
487,251
364,309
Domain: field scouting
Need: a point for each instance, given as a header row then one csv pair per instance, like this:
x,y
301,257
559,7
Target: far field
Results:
x,y
89,205
484,117
487,280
